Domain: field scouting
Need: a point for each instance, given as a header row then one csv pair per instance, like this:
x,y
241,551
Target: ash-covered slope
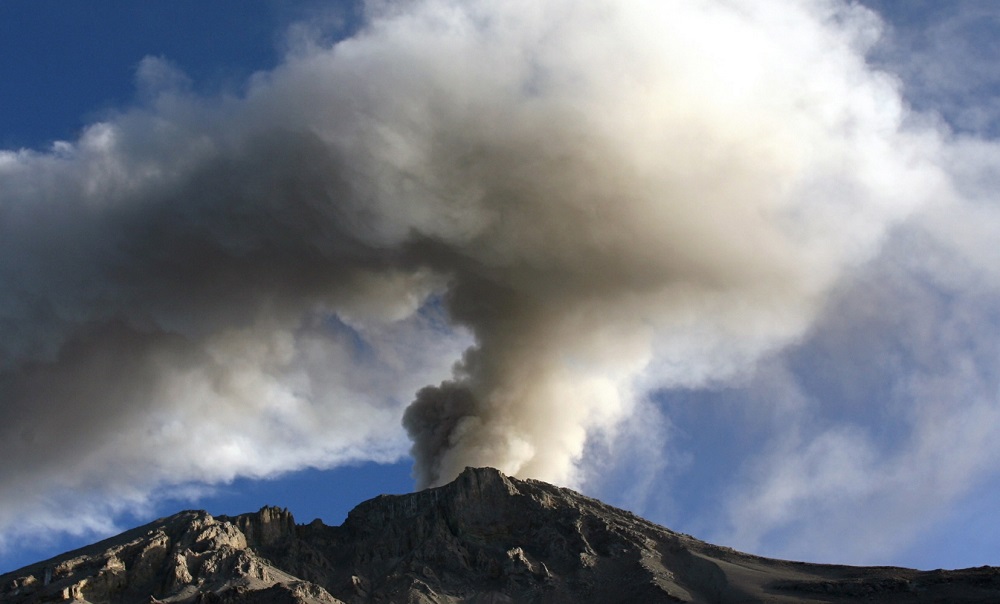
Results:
x,y
483,538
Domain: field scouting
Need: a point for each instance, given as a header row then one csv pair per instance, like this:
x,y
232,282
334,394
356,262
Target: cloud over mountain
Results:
x,y
524,217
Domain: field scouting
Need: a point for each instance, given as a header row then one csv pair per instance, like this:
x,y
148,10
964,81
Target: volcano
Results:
x,y
483,538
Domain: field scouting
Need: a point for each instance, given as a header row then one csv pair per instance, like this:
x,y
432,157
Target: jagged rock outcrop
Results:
x,y
189,557
485,538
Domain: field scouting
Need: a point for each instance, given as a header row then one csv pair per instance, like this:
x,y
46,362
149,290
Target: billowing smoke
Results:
x,y
593,200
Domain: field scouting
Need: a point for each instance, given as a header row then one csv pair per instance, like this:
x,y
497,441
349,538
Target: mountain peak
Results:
x,y
483,479
268,527
485,537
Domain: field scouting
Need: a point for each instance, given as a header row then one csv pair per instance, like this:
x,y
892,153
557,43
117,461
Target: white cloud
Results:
x,y
898,422
596,200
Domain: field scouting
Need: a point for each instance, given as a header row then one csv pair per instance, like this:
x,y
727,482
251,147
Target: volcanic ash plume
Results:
x,y
607,197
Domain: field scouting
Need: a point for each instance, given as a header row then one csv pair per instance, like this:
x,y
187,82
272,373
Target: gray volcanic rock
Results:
x,y
484,538
188,557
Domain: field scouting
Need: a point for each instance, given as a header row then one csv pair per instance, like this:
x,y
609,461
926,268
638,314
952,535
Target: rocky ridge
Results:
x,y
484,538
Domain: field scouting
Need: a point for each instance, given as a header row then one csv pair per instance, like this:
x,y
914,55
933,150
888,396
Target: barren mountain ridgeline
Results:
x,y
485,537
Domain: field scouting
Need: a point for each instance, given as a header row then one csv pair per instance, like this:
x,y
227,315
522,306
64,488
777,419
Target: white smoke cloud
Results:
x,y
601,198
879,423
902,426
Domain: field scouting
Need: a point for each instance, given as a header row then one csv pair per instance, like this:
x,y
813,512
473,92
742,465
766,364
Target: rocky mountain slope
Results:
x,y
485,538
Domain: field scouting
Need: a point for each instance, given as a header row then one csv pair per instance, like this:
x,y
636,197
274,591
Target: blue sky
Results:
x,y
818,384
